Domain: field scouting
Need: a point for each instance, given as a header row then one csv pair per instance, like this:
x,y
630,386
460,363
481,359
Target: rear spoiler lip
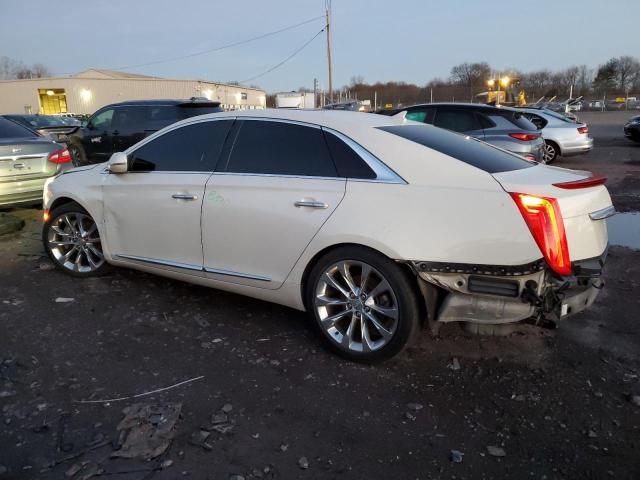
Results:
x,y
593,181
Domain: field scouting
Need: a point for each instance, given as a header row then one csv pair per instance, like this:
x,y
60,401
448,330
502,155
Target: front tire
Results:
x,y
364,304
77,155
72,240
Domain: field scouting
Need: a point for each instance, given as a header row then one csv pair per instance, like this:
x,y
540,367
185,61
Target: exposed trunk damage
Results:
x,y
529,292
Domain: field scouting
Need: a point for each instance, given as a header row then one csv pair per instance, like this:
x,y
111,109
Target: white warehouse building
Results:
x,y
87,91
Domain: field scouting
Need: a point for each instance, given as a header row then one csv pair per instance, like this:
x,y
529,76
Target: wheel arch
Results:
x,y
404,266
556,144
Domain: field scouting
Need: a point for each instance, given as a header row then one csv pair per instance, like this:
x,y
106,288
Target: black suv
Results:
x,y
116,127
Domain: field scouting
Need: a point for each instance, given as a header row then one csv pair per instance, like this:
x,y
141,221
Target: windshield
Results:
x,y
38,121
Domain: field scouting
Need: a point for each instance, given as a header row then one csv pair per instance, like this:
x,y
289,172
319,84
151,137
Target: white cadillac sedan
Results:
x,y
375,225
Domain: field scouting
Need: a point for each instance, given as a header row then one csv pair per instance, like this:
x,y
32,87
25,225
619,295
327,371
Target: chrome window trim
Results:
x,y
603,213
230,273
191,267
155,261
278,175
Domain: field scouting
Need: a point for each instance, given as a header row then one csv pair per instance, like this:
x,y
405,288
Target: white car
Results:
x,y
373,224
563,136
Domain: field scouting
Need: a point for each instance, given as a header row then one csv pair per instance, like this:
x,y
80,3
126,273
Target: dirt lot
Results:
x,y
543,404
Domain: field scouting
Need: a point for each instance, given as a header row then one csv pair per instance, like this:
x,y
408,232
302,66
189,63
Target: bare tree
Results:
x,y
626,70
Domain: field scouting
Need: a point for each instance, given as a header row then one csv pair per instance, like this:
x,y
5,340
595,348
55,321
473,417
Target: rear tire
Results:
x,y
550,152
364,304
72,241
77,155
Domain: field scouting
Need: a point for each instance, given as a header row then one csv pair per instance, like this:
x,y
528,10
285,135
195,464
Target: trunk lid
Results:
x,y
26,159
586,237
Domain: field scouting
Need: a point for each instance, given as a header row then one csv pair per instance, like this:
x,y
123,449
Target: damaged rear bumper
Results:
x,y
494,294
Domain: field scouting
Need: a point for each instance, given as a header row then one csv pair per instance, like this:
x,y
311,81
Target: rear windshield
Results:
x,y
518,119
559,116
9,129
461,147
38,121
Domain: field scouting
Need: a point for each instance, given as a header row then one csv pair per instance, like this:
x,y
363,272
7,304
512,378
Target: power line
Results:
x,y
286,59
222,47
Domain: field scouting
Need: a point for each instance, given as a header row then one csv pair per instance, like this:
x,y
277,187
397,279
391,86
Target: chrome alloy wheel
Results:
x,y
356,306
74,242
548,153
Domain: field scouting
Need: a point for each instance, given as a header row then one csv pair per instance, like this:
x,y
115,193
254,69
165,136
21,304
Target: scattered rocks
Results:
x,y
456,456
409,416
166,464
284,447
45,267
454,365
496,451
64,300
226,408
415,406
202,322
303,463
199,439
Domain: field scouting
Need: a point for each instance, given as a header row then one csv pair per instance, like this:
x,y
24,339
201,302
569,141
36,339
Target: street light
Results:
x,y
505,81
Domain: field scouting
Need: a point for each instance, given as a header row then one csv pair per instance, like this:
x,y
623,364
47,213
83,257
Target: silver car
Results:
x,y
26,161
563,136
503,127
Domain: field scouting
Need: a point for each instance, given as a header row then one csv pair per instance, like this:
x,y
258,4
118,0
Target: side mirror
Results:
x,y
118,163
84,124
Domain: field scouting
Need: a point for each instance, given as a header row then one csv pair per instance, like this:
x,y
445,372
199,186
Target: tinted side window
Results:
x,y
193,148
281,149
466,149
456,120
519,121
485,122
129,118
424,115
102,120
348,162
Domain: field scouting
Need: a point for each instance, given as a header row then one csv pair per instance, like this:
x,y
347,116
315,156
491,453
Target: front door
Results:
x,y
97,139
152,212
269,198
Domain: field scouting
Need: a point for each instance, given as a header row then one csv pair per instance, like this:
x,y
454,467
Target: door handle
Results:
x,y
184,196
311,204
18,165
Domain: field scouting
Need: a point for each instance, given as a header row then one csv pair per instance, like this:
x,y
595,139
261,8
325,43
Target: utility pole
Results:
x,y
315,91
328,27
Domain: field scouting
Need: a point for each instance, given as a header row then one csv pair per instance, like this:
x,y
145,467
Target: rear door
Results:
x,y
128,126
459,120
270,196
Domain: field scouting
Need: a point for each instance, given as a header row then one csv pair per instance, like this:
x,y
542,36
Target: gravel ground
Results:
x,y
272,403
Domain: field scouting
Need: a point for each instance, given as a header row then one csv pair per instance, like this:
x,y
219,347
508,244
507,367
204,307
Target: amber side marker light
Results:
x,y
45,216
542,216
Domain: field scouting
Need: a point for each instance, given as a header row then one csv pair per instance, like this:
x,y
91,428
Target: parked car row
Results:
x,y
375,225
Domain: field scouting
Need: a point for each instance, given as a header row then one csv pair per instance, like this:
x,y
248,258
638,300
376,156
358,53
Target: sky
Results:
x,y
379,40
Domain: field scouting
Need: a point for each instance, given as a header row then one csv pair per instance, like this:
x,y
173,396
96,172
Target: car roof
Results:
x,y
461,105
169,102
338,119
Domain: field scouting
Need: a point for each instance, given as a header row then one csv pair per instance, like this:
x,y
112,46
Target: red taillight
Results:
x,y
544,219
584,129
592,181
60,156
531,158
525,137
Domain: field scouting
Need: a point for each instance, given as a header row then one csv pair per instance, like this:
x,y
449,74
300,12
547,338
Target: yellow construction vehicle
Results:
x,y
504,91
